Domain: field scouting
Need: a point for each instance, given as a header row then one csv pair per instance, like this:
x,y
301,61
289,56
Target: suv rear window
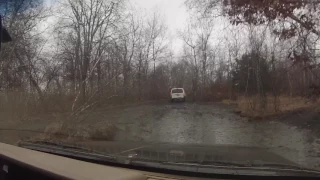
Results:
x,y
177,91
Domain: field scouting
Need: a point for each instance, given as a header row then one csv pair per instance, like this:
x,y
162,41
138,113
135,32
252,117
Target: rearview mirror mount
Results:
x,y
4,35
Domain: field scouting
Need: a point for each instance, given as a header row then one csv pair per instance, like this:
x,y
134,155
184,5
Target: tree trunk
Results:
x,y
139,77
100,90
84,78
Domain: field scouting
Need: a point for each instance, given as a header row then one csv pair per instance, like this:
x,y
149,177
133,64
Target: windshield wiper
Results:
x,y
237,164
64,149
268,166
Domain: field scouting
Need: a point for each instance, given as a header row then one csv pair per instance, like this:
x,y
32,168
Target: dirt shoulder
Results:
x,y
304,118
297,112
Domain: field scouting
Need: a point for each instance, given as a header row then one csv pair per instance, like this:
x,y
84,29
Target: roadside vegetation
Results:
x,y
246,106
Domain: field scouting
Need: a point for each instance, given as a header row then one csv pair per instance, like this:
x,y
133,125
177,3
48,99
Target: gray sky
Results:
x,y
173,11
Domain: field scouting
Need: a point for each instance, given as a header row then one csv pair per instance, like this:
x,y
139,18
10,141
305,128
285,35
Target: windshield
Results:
x,y
177,91
96,71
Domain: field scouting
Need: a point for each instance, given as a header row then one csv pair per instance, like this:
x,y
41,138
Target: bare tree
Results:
x,y
89,23
20,59
189,36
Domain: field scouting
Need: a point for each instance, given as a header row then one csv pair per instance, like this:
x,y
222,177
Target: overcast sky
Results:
x,y
173,11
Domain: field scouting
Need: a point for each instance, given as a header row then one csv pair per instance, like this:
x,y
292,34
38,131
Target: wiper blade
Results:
x,y
227,168
272,167
237,164
74,151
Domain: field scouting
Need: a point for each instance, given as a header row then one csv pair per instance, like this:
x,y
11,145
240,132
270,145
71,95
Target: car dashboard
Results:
x,y
21,163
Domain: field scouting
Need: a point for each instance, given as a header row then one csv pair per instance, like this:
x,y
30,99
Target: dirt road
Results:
x,y
205,123
214,124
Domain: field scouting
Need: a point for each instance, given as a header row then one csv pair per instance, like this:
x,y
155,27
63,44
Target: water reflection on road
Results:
x,y
216,124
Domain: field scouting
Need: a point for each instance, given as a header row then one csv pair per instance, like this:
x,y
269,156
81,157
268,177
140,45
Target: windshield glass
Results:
x,y
97,71
177,91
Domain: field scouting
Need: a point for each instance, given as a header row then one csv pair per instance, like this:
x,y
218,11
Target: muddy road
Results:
x,y
203,124
214,124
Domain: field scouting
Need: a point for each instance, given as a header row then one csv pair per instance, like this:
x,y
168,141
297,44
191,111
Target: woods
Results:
x,y
79,54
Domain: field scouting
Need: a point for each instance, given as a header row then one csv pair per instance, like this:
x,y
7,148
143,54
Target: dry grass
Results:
x,y
18,106
57,131
54,115
229,102
249,107
88,125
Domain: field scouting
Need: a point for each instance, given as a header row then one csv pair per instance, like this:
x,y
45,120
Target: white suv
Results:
x,y
178,94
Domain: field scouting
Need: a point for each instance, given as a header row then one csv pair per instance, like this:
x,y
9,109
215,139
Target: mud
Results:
x,y
216,124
